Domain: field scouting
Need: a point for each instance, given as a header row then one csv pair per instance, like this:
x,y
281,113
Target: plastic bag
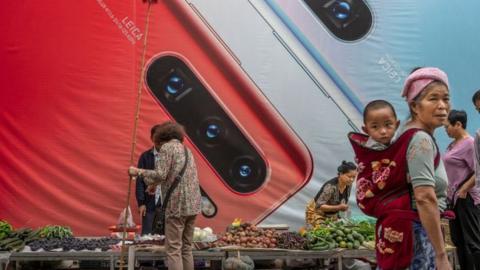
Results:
x,y
121,218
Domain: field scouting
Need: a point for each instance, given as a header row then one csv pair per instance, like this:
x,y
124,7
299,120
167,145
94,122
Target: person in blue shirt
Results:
x,y
147,202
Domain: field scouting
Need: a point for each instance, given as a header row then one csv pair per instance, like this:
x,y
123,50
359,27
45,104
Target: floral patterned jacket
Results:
x,y
330,195
185,200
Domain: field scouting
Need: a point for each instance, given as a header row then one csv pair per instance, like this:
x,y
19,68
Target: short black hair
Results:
x,y
375,105
476,97
346,167
458,116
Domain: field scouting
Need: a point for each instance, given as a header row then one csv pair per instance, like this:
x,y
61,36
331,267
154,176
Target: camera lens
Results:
x,y
211,131
215,134
348,20
174,85
341,10
244,170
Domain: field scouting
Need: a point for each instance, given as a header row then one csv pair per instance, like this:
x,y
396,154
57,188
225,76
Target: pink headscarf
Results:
x,y
419,79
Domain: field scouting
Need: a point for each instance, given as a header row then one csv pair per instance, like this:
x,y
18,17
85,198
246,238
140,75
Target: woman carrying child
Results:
x,y
404,184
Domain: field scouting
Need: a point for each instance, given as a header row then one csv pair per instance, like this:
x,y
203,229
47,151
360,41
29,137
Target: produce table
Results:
x,y
255,254
110,256
140,254
216,255
67,255
272,254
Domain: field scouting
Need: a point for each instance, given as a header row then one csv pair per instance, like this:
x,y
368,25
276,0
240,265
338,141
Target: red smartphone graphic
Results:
x,y
249,160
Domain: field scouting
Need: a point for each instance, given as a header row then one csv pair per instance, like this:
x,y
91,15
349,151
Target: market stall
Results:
x,y
214,256
325,246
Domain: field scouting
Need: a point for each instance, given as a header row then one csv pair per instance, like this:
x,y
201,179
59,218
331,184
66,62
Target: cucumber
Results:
x,y
356,235
350,237
356,244
12,245
362,239
320,247
8,241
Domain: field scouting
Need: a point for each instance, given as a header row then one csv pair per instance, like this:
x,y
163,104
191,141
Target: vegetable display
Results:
x,y
55,231
340,234
5,229
70,243
249,236
329,235
292,240
203,235
16,240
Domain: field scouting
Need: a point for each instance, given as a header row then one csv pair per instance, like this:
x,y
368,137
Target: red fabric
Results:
x,y
383,192
66,114
69,84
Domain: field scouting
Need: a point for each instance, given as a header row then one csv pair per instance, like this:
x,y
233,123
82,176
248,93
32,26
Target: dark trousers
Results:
x,y
465,233
147,222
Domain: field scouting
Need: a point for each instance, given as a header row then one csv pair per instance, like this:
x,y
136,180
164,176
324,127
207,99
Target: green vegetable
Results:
x,y
356,244
321,247
5,229
55,231
349,237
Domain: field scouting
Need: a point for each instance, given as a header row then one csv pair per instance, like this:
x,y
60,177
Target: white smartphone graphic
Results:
x,y
372,60
306,98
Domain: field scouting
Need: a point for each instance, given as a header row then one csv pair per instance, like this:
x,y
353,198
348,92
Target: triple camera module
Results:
x,y
348,20
206,123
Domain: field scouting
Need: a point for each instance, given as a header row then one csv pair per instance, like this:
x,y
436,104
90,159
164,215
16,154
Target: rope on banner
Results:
x,y
135,127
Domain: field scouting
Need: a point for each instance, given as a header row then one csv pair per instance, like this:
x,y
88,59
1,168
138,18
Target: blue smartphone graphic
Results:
x,y
401,35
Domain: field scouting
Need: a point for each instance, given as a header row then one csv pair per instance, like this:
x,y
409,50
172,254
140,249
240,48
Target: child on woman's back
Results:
x,y
380,122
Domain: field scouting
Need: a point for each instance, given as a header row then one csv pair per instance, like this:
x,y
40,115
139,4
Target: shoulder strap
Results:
x,y
436,161
175,182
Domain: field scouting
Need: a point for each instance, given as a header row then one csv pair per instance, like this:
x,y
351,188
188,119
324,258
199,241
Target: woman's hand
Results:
x,y
142,210
462,193
327,208
343,207
463,190
441,262
133,171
